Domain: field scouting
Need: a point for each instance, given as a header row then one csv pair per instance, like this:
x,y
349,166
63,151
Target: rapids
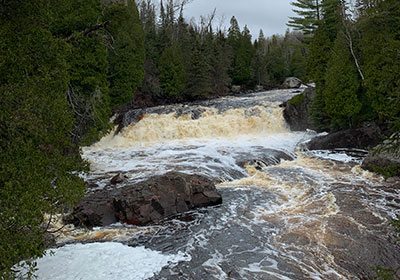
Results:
x,y
287,213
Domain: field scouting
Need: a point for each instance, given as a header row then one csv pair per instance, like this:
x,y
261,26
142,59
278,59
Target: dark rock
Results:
x,y
259,88
235,89
384,161
291,82
117,179
296,110
91,185
361,138
270,157
146,202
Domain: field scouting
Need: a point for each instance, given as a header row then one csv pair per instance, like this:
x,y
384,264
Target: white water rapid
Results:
x,y
286,213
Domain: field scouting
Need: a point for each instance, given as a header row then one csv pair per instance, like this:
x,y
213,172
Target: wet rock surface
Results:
x,y
296,110
361,138
146,202
358,238
383,160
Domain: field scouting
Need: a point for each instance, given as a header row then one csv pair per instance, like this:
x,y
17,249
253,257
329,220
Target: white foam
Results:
x,y
99,261
334,155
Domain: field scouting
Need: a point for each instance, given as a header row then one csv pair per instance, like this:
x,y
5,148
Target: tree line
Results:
x,y
353,54
198,61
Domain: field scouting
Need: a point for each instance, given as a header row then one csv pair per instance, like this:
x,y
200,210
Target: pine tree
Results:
x,y
172,74
220,61
198,75
297,63
275,62
127,54
38,160
342,86
309,12
240,42
88,93
317,62
380,51
259,65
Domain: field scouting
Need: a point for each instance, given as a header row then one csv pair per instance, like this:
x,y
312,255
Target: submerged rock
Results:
x,y
360,138
146,202
296,110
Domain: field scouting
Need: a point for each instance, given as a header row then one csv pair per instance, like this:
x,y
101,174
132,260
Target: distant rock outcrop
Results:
x,y
291,82
367,136
146,202
297,110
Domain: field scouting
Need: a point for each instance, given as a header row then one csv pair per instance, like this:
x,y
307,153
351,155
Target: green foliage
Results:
x,y
240,42
198,75
298,64
380,49
127,54
172,75
54,85
298,99
342,87
317,64
276,69
384,273
309,14
38,160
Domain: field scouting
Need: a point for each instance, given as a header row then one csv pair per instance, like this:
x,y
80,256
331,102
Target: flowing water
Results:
x,y
287,213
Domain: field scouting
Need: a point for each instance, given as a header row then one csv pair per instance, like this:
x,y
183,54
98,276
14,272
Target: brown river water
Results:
x,y
317,216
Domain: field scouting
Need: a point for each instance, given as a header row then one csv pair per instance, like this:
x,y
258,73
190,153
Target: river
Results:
x,y
287,213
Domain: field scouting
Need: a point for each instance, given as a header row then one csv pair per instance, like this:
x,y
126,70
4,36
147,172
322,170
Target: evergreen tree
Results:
x,y
220,62
88,94
317,62
240,42
309,12
38,159
127,54
172,75
380,51
297,63
198,75
342,86
275,62
259,65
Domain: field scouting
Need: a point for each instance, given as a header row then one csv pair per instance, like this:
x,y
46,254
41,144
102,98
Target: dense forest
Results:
x,y
67,65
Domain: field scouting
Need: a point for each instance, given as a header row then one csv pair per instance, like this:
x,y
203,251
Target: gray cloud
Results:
x,y
269,15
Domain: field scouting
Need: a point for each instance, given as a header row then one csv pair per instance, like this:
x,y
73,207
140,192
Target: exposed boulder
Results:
x,y
146,202
117,179
270,157
259,88
291,82
236,89
367,136
296,110
386,162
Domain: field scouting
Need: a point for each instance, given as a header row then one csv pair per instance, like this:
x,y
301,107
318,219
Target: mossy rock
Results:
x,y
298,99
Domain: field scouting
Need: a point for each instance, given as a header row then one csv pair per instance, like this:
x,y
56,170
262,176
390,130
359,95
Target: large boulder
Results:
x,y
291,82
296,110
367,136
146,202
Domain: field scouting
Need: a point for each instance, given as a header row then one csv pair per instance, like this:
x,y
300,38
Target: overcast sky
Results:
x,y
269,15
